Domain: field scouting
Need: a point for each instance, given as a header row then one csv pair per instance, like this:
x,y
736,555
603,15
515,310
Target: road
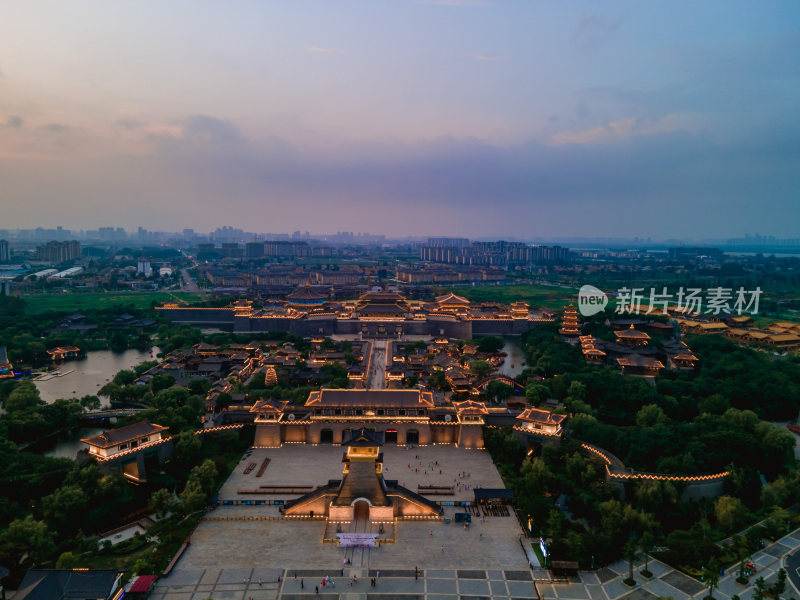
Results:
x,y
188,284
793,570
376,377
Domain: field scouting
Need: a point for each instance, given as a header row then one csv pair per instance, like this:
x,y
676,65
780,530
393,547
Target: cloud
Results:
x,y
479,56
625,181
129,123
14,121
203,128
56,128
594,31
628,128
321,50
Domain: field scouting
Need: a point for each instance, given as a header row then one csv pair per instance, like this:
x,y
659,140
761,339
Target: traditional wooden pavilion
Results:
x,y
402,416
632,337
362,494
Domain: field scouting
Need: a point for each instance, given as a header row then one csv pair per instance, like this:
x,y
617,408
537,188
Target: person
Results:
x,y
301,584
316,589
378,574
324,582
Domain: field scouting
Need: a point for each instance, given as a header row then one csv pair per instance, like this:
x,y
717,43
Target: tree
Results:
x,y
187,446
577,391
66,560
650,416
124,377
646,544
715,404
199,386
90,402
728,511
192,498
780,584
491,343
498,389
62,508
161,382
29,536
711,576
161,501
205,475
630,555
536,393
118,341
760,593
480,368
143,567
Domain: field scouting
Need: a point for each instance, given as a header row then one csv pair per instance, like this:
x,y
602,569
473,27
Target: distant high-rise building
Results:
x,y
448,242
492,253
231,250
692,253
58,252
5,251
143,267
254,250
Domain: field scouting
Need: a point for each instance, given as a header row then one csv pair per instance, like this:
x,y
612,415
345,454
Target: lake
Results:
x,y
515,356
68,446
86,376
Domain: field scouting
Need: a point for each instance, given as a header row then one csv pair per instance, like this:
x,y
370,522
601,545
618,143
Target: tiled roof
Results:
x,y
537,415
114,437
371,398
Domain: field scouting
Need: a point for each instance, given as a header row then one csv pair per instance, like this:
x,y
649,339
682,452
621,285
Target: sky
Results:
x,y
476,118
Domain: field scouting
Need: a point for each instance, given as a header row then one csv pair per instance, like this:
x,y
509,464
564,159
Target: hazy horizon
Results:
x,y
444,117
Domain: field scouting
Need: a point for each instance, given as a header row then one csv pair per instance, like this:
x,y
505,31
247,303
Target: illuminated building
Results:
x,y
306,313
570,326
401,416
6,368
362,493
131,448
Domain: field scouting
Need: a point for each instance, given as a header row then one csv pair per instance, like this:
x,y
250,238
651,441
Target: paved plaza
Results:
x,y
305,464
251,552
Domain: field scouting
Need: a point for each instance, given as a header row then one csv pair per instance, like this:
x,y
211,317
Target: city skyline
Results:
x,y
450,117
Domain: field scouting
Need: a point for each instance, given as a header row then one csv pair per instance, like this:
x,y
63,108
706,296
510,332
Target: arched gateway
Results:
x,y
362,494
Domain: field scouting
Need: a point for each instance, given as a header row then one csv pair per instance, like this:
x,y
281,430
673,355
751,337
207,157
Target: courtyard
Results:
x,y
239,551
252,553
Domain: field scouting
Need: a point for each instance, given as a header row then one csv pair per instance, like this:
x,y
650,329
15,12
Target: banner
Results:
x,y
358,540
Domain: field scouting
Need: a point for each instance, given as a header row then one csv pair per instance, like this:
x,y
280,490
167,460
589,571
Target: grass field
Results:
x,y
535,295
93,301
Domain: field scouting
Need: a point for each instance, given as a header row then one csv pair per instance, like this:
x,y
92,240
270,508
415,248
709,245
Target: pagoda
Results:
x,y
570,326
6,368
